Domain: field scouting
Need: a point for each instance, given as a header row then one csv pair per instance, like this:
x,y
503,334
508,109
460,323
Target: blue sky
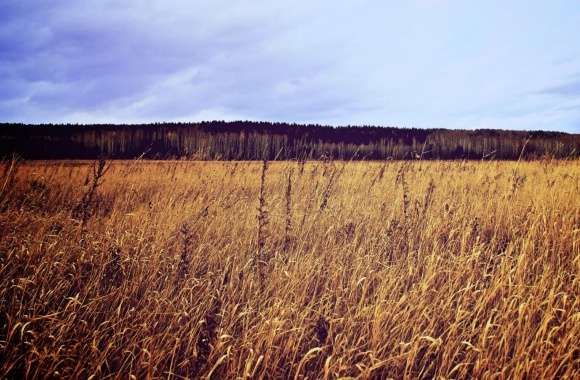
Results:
x,y
415,63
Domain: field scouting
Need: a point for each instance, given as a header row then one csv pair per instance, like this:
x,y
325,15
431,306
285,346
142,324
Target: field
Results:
x,y
177,269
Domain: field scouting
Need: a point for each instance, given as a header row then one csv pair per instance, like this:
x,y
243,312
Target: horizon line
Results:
x,y
290,123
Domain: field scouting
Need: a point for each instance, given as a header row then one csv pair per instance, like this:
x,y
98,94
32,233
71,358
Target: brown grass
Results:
x,y
373,270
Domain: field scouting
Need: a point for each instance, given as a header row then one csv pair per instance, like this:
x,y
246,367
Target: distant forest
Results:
x,y
246,140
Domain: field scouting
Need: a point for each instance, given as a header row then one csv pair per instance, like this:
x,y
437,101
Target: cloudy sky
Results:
x,y
414,63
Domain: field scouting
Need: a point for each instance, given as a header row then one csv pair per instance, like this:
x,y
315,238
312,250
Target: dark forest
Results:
x,y
245,140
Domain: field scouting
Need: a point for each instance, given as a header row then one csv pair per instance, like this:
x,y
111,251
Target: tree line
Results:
x,y
249,140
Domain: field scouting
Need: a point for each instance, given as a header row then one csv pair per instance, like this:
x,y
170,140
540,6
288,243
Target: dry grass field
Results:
x,y
290,270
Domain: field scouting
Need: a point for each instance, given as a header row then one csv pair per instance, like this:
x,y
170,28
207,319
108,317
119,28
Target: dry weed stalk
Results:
x,y
260,258
83,209
113,273
427,200
8,178
207,337
379,176
327,190
184,255
288,224
400,179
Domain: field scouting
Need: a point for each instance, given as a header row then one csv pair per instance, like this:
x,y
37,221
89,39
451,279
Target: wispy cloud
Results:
x,y
569,89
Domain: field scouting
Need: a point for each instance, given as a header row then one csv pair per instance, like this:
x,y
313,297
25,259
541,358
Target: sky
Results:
x,y
414,63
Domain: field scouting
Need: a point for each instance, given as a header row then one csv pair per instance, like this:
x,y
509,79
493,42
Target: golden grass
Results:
x,y
370,270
